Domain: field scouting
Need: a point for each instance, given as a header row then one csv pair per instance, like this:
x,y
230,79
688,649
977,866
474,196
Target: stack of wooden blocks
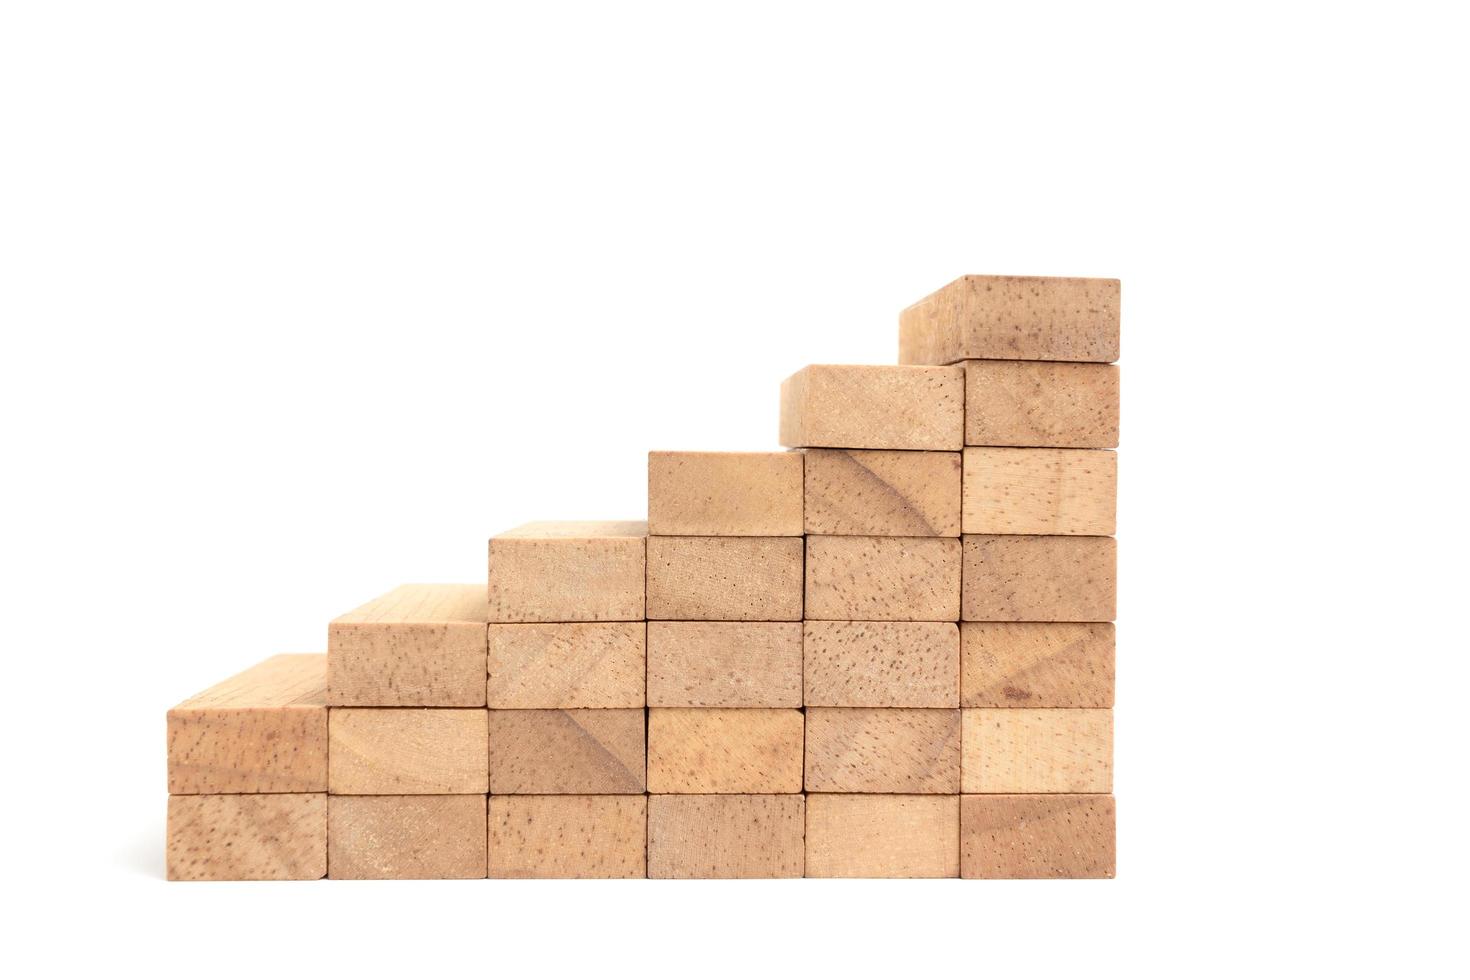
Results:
x,y
887,653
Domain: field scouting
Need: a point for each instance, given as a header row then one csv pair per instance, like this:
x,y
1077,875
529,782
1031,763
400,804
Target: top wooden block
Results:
x,y
842,406
1029,318
725,494
568,572
419,646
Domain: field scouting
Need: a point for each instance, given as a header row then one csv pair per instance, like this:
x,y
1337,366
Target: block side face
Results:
x,y
1037,665
874,578
724,665
877,407
793,421
1013,318
725,494
247,837
1040,491
429,605
408,751
566,580
1050,578
1038,836
726,836
882,750
572,752
1037,750
568,837
380,837
882,836
879,492
285,680
1041,403
881,665
724,750
733,579
406,665
244,750
566,665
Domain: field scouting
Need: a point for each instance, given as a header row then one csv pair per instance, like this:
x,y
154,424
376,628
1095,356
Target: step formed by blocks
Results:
x,y
408,751
1041,403
724,750
247,837
1055,835
724,665
882,836
406,836
417,646
872,578
1034,318
568,836
841,406
889,492
710,578
1040,578
882,750
568,572
1036,665
745,494
726,836
1040,491
882,665
1038,750
573,752
566,665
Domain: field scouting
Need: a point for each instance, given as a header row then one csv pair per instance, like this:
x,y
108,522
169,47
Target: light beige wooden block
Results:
x,y
247,837
724,665
1041,403
882,836
848,406
417,646
882,665
725,836
1040,578
750,494
567,752
1035,318
408,751
1055,835
882,492
1040,491
1036,665
1038,750
752,579
566,665
882,750
724,750
568,572
854,578
568,836
261,731
406,836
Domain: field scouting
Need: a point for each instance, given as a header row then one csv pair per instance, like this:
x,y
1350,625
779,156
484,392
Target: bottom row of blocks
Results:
x,y
311,835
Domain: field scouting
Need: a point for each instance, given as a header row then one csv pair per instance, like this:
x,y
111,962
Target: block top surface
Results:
x,y
578,530
1043,318
410,604
285,680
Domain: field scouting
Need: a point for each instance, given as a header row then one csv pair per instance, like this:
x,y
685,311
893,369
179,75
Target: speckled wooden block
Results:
x,y
724,665
567,752
882,665
882,836
1036,665
842,406
566,665
1040,578
406,836
1032,318
1041,403
568,572
750,494
1038,750
882,492
724,750
710,578
247,837
408,751
417,646
853,578
882,750
568,836
1054,835
725,836
261,731
1040,491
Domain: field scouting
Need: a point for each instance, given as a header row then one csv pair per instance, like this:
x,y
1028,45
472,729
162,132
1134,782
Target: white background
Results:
x,y
302,300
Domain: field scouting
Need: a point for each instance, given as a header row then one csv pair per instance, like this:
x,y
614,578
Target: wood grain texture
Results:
x,y
408,751
566,665
882,750
726,836
750,494
1040,578
1036,665
568,836
724,665
882,836
882,665
1037,318
1048,836
261,731
567,752
568,572
1038,750
842,406
1041,403
709,578
406,836
872,578
882,492
417,646
1040,491
724,750
247,837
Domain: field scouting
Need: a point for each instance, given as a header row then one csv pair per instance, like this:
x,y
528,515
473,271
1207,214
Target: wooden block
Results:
x,y
1036,665
882,665
417,646
1040,578
853,578
725,836
568,836
1041,403
882,750
1033,318
724,665
571,752
261,731
568,572
1038,750
1040,491
882,836
406,836
1055,835
889,492
247,837
849,406
755,579
408,751
566,665
724,750
750,494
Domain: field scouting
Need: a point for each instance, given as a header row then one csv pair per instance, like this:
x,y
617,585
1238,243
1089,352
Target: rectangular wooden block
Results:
x,y
568,572
907,579
417,646
882,665
1040,491
850,406
409,751
1041,403
1055,835
1036,665
566,665
1033,318
724,750
749,494
247,837
568,836
726,836
890,492
724,665
567,752
753,579
1038,750
1040,578
882,836
261,731
406,836
882,750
